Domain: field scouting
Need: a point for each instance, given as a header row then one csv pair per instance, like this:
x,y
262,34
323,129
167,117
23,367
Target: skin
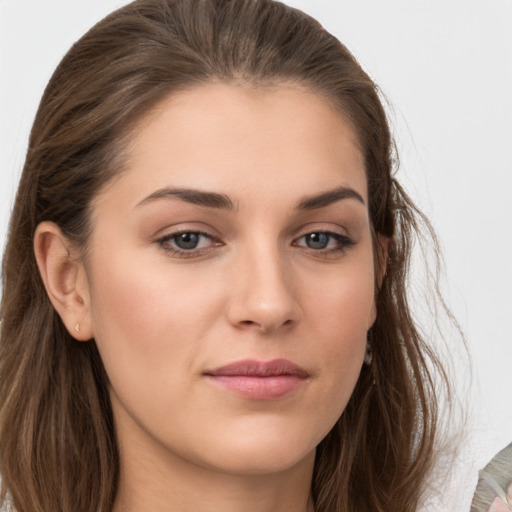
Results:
x,y
256,287
498,505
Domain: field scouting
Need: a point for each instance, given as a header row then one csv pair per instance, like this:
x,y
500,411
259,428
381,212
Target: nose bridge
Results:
x,y
264,297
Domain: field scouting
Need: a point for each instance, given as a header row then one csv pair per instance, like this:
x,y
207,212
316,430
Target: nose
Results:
x,y
263,296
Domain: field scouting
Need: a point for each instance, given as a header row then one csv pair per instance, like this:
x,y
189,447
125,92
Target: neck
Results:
x,y
148,486
153,478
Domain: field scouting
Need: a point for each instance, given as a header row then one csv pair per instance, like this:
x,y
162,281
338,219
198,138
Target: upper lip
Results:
x,y
255,368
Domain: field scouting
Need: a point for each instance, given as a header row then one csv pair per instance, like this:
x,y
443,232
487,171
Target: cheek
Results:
x,y
140,294
156,322
147,321
342,305
341,312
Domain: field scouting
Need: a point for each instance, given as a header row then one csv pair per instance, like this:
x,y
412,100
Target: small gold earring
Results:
x,y
77,327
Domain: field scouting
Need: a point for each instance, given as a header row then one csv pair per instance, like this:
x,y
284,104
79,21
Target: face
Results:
x,y
231,281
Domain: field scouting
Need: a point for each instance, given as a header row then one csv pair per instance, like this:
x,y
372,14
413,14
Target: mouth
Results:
x,y
259,380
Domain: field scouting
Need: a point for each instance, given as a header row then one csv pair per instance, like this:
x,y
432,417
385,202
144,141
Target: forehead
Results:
x,y
235,138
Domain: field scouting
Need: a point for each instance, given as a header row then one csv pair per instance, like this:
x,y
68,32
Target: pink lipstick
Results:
x,y
259,380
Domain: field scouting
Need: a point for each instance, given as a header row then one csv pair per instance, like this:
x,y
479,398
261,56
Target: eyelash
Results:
x,y
344,242
164,242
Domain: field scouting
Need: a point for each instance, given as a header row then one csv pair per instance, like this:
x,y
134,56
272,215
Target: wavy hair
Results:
x,y
58,448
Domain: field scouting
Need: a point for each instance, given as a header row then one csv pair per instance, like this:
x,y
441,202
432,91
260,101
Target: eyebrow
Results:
x,y
223,202
193,196
328,197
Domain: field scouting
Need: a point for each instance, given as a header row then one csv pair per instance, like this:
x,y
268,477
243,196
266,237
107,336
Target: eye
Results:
x,y
326,241
317,240
186,243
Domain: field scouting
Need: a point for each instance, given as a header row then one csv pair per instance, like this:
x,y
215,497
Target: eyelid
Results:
x,y
323,227
166,229
344,240
164,242
338,240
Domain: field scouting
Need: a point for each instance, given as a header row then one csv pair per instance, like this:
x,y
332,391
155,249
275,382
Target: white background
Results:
x,y
446,68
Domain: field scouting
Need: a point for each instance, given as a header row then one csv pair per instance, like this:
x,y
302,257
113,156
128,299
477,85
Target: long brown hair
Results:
x,y
58,447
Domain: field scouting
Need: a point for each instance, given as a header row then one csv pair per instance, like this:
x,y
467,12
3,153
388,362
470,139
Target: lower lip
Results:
x,y
259,388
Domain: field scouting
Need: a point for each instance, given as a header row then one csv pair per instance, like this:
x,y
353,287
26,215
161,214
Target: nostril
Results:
x,y
264,327
263,308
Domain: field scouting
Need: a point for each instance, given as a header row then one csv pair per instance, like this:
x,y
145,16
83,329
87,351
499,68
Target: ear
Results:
x,y
381,253
64,278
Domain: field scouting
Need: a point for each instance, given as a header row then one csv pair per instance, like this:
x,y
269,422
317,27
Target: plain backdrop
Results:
x,y
446,68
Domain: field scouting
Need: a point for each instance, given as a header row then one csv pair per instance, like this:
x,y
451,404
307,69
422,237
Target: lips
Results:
x,y
259,380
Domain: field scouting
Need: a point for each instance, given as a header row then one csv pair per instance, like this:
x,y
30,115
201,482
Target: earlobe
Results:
x,y
64,278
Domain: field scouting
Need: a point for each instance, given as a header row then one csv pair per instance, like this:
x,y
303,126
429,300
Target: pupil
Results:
x,y
317,240
187,240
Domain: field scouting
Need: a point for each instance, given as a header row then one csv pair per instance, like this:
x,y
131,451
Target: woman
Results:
x,y
204,302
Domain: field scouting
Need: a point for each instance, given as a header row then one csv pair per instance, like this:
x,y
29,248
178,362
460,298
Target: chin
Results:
x,y
257,453
263,462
